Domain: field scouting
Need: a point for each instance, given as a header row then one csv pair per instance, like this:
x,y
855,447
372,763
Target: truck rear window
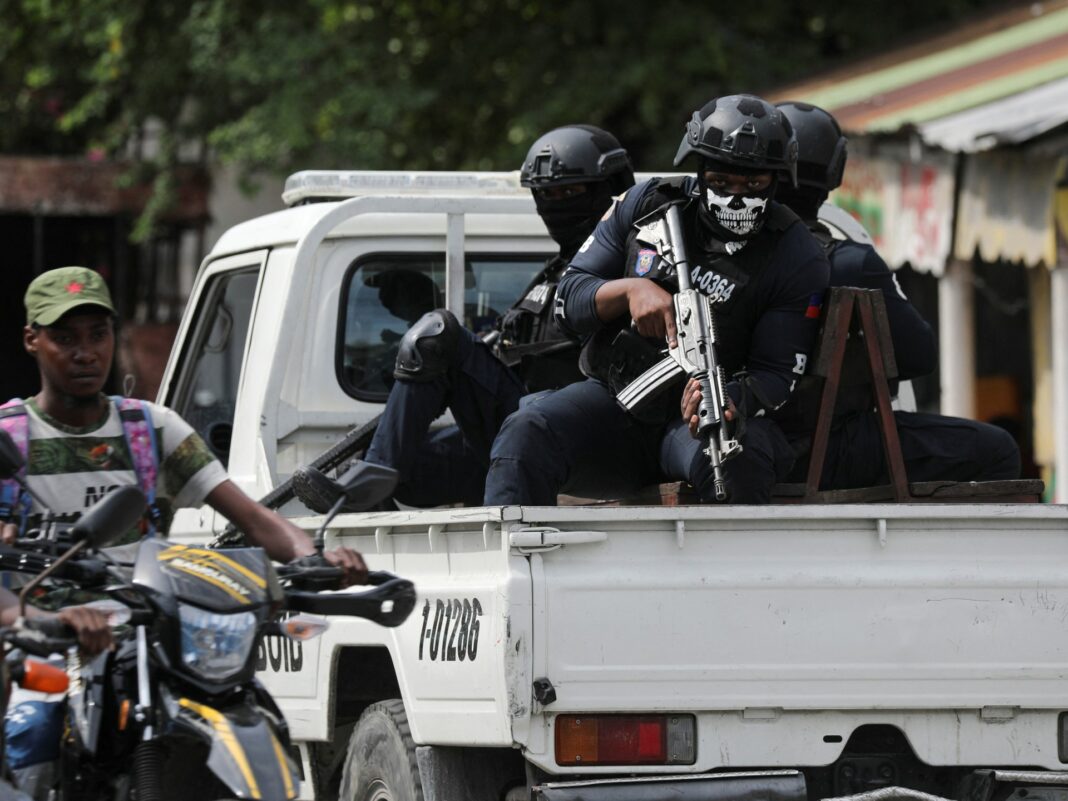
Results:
x,y
383,295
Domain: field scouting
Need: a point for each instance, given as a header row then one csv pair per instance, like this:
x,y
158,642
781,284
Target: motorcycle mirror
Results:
x,y
360,487
111,517
11,460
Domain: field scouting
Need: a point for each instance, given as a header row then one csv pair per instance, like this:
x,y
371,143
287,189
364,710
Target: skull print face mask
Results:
x,y
741,215
732,206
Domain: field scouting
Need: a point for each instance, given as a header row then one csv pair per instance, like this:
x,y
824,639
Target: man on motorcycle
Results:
x,y
80,444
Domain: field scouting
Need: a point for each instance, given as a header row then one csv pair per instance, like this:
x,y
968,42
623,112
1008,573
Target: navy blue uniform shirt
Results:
x,y
858,264
766,316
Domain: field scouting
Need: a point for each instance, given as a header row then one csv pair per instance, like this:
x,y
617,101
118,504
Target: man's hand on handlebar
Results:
x,y
9,532
90,626
351,562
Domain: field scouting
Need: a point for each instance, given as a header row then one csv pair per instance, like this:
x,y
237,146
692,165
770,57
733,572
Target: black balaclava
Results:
x,y
570,221
804,201
733,218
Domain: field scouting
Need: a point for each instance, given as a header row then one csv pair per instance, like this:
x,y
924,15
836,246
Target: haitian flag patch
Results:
x,y
814,303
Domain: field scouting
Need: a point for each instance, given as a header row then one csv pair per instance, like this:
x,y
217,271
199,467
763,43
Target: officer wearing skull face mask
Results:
x,y
766,274
573,172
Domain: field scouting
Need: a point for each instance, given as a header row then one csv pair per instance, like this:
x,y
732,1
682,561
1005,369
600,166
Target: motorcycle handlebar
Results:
x,y
87,572
389,601
42,636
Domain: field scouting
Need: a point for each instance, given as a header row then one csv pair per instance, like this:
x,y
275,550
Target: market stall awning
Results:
x,y
981,91
999,57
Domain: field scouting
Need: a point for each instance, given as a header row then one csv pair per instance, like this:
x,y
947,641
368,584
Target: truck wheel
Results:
x,y
380,764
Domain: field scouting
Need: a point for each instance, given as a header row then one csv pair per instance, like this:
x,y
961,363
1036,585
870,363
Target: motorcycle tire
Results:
x,y
380,764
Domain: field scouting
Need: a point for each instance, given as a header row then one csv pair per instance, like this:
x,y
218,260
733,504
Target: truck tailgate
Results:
x,y
869,607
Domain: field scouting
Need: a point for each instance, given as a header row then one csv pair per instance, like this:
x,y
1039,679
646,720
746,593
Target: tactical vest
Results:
x,y
531,342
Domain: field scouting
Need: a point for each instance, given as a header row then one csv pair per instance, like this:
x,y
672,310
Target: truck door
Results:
x,y
202,380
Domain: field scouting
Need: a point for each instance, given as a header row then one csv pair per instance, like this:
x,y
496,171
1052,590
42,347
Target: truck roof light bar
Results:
x,y
310,186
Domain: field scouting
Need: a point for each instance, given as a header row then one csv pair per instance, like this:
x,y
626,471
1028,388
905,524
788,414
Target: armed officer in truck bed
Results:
x,y
573,172
934,447
765,274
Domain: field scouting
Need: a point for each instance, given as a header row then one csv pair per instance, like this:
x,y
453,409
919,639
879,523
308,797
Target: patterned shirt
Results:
x,y
70,468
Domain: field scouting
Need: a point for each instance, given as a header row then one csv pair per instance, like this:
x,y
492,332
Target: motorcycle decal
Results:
x,y
212,576
234,579
283,766
206,555
226,734
453,634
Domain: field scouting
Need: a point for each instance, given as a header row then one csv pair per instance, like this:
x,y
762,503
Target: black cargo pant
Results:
x,y
580,441
934,447
449,465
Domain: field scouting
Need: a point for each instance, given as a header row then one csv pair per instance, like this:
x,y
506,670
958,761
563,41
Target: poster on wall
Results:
x,y
905,203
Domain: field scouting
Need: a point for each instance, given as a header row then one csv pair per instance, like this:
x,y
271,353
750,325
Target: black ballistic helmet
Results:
x,y
576,154
822,159
742,131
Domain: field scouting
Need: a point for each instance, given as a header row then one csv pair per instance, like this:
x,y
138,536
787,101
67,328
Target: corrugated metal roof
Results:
x,y
1008,121
993,60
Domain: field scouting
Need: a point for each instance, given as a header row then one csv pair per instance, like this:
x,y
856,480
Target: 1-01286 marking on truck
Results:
x,y
450,630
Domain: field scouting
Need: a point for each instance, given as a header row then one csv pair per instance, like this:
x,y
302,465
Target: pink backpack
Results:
x,y
140,441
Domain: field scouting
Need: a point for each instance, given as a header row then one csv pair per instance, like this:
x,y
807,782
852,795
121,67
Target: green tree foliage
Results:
x,y
414,84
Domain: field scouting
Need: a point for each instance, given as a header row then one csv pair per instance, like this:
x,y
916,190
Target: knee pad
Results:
x,y
429,348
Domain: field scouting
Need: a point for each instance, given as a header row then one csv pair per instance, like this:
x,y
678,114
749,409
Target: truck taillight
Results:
x,y
625,740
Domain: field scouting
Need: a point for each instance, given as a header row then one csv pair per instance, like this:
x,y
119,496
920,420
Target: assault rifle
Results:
x,y
695,355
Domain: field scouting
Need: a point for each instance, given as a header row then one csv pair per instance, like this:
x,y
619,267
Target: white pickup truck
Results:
x,y
596,652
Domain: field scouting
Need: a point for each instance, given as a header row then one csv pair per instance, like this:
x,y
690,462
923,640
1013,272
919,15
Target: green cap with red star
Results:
x,y
56,292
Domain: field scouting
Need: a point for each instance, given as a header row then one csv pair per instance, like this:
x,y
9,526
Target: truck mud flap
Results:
x,y
750,786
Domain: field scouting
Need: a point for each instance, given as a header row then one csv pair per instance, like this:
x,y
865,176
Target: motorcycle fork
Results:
x,y
143,709
148,756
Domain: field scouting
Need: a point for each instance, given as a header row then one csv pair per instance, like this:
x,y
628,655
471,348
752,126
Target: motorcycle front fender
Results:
x,y
245,751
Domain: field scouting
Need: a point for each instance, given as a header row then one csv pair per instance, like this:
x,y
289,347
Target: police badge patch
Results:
x,y
645,261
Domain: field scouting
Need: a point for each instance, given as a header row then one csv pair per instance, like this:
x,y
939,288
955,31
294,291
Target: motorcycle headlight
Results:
x,y
213,645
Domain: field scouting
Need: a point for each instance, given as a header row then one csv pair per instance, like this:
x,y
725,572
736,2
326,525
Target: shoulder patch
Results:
x,y
644,262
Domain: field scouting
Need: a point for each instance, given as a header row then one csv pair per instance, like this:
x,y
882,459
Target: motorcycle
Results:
x,y
175,711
